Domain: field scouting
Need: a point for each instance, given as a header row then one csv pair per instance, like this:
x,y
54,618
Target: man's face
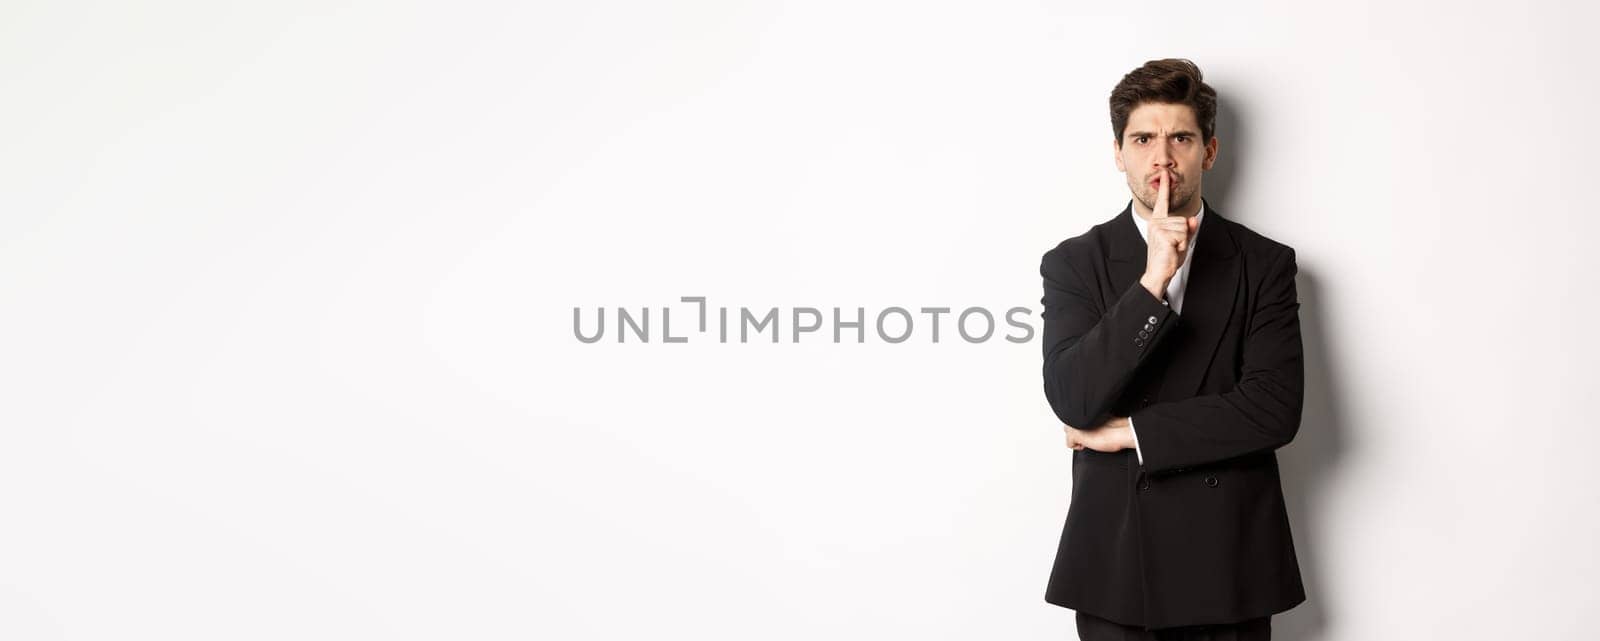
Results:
x,y
1164,137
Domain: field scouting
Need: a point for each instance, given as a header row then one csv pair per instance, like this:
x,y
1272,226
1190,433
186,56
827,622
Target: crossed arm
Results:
x,y
1090,356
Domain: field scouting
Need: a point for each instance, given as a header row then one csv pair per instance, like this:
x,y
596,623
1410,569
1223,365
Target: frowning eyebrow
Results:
x,y
1147,134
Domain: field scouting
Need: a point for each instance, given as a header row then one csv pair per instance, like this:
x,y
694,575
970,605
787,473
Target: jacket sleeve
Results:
x,y
1261,412
1090,353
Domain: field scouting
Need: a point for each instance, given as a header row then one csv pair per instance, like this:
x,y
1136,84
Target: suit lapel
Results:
x,y
1128,251
1208,300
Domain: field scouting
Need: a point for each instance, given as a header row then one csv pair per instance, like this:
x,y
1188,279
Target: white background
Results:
x,y
287,296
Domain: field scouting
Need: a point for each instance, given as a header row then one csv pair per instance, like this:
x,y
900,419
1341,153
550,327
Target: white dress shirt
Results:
x,y
1175,290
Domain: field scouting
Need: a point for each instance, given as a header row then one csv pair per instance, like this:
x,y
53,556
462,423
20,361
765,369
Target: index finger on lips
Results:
x,y
1162,193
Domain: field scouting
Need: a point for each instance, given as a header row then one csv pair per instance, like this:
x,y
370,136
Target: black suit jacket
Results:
x,y
1199,533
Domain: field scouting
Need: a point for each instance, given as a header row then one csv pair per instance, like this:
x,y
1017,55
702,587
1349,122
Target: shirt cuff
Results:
x,y
1135,434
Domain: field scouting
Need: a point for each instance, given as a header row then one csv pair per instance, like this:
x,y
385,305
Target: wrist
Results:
x,y
1156,286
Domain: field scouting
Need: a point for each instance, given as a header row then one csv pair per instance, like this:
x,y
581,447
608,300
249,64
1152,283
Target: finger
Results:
x,y
1194,224
1162,195
1171,224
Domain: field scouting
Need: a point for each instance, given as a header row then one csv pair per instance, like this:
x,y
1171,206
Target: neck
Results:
x,y
1192,210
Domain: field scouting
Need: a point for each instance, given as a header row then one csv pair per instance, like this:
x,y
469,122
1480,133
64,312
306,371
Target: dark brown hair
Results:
x,y
1170,80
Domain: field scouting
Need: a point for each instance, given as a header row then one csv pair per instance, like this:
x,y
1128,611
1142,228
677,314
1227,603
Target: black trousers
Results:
x,y
1093,628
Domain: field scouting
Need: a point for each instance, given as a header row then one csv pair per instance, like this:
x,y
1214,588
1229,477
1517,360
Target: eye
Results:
x,y
1183,139
1142,139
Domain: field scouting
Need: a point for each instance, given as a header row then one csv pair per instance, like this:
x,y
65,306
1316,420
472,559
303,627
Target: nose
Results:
x,y
1162,158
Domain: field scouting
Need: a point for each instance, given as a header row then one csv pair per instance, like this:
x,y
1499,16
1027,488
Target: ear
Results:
x,y
1116,153
1211,154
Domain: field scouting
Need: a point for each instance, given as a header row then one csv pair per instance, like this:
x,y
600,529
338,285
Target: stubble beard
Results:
x,y
1175,202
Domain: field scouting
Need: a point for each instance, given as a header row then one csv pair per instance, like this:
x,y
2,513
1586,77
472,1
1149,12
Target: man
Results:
x,y
1172,353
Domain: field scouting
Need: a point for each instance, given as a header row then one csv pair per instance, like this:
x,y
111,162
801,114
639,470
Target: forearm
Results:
x,y
1085,371
1256,416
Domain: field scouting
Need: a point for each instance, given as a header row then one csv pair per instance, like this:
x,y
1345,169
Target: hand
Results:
x,y
1168,241
1110,436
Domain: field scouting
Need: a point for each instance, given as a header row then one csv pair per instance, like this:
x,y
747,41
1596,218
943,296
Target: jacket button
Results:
x,y
1139,342
1152,320
1211,481
1144,334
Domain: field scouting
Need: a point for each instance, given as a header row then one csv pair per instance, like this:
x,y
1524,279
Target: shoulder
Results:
x,y
1258,248
1269,265
1083,251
